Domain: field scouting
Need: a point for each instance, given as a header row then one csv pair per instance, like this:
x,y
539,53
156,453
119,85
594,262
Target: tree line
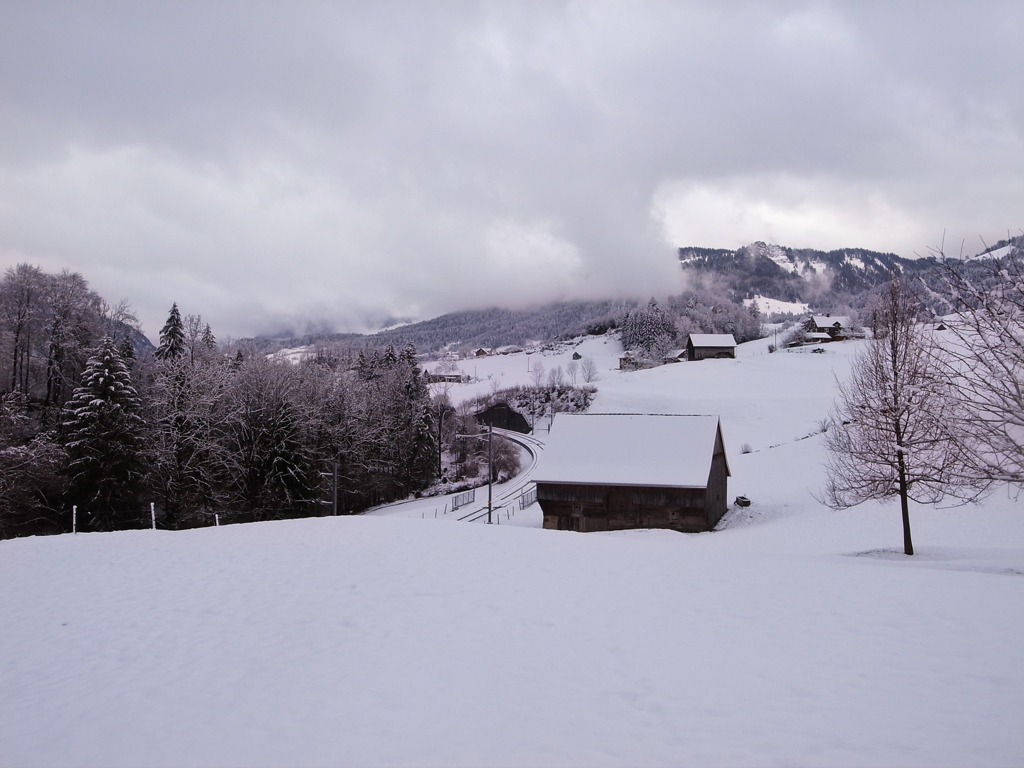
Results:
x,y
196,429
654,332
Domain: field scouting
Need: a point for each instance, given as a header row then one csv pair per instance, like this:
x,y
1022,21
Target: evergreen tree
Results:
x,y
127,350
209,341
172,337
647,328
408,355
102,437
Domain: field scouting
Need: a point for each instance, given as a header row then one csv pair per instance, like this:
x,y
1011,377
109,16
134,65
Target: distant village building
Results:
x,y
608,472
836,328
702,346
503,416
630,361
448,378
577,356
482,352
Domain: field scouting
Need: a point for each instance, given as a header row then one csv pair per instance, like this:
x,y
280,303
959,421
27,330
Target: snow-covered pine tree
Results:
x,y
408,354
209,341
102,430
126,349
644,329
172,337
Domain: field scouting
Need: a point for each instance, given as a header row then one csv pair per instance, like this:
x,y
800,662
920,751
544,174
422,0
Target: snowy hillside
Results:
x,y
803,275
794,635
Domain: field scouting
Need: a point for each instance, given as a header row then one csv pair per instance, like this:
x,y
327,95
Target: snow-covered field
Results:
x,y
794,636
769,306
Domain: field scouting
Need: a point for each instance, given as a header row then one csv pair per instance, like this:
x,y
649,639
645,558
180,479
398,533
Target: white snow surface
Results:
x,y
629,449
791,636
779,256
769,306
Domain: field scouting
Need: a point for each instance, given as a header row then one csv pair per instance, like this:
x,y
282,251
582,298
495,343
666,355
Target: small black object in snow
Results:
x,y
742,501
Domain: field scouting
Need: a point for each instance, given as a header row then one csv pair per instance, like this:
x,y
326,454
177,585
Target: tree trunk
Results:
x,y
908,545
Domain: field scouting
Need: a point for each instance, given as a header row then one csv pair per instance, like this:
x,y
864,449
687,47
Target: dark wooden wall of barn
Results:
x,y
615,508
709,353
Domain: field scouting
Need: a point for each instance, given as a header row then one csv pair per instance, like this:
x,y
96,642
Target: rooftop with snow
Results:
x,y
653,450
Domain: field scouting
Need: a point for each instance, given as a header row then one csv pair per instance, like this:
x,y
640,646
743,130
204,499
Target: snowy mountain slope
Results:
x,y
797,274
794,635
494,327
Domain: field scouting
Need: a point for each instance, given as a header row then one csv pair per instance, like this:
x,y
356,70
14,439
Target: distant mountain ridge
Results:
x,y
826,280
798,274
492,327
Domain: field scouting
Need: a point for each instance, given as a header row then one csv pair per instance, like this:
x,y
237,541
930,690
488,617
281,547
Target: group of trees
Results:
x,y
195,429
934,414
653,332
48,324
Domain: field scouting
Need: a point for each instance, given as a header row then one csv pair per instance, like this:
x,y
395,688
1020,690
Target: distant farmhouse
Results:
x,y
609,472
827,328
631,361
701,346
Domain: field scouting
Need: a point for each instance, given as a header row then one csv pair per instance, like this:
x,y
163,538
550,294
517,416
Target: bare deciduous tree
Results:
x,y
440,386
572,368
537,374
588,369
893,428
556,378
984,358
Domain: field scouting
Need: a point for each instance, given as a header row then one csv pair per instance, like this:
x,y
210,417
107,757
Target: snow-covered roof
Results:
x,y
827,321
819,335
629,449
712,340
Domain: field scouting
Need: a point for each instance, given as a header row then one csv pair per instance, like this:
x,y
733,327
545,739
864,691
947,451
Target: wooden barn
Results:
x,y
610,472
703,346
503,416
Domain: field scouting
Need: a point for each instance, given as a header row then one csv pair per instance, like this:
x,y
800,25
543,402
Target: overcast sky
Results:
x,y
306,165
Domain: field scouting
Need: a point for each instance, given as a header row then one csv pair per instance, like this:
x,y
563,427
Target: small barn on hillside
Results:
x,y
503,416
610,472
702,346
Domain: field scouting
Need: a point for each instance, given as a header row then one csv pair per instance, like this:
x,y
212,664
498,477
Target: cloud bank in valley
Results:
x,y
277,166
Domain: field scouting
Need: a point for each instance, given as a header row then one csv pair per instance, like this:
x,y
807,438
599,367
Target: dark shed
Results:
x,y
607,472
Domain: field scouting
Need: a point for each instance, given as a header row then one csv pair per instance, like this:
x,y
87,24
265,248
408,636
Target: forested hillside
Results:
x,y
806,275
477,328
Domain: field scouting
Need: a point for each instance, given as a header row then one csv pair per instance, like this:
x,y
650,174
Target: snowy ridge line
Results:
x,y
637,413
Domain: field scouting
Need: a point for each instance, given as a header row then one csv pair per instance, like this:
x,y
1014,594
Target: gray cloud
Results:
x,y
275,165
